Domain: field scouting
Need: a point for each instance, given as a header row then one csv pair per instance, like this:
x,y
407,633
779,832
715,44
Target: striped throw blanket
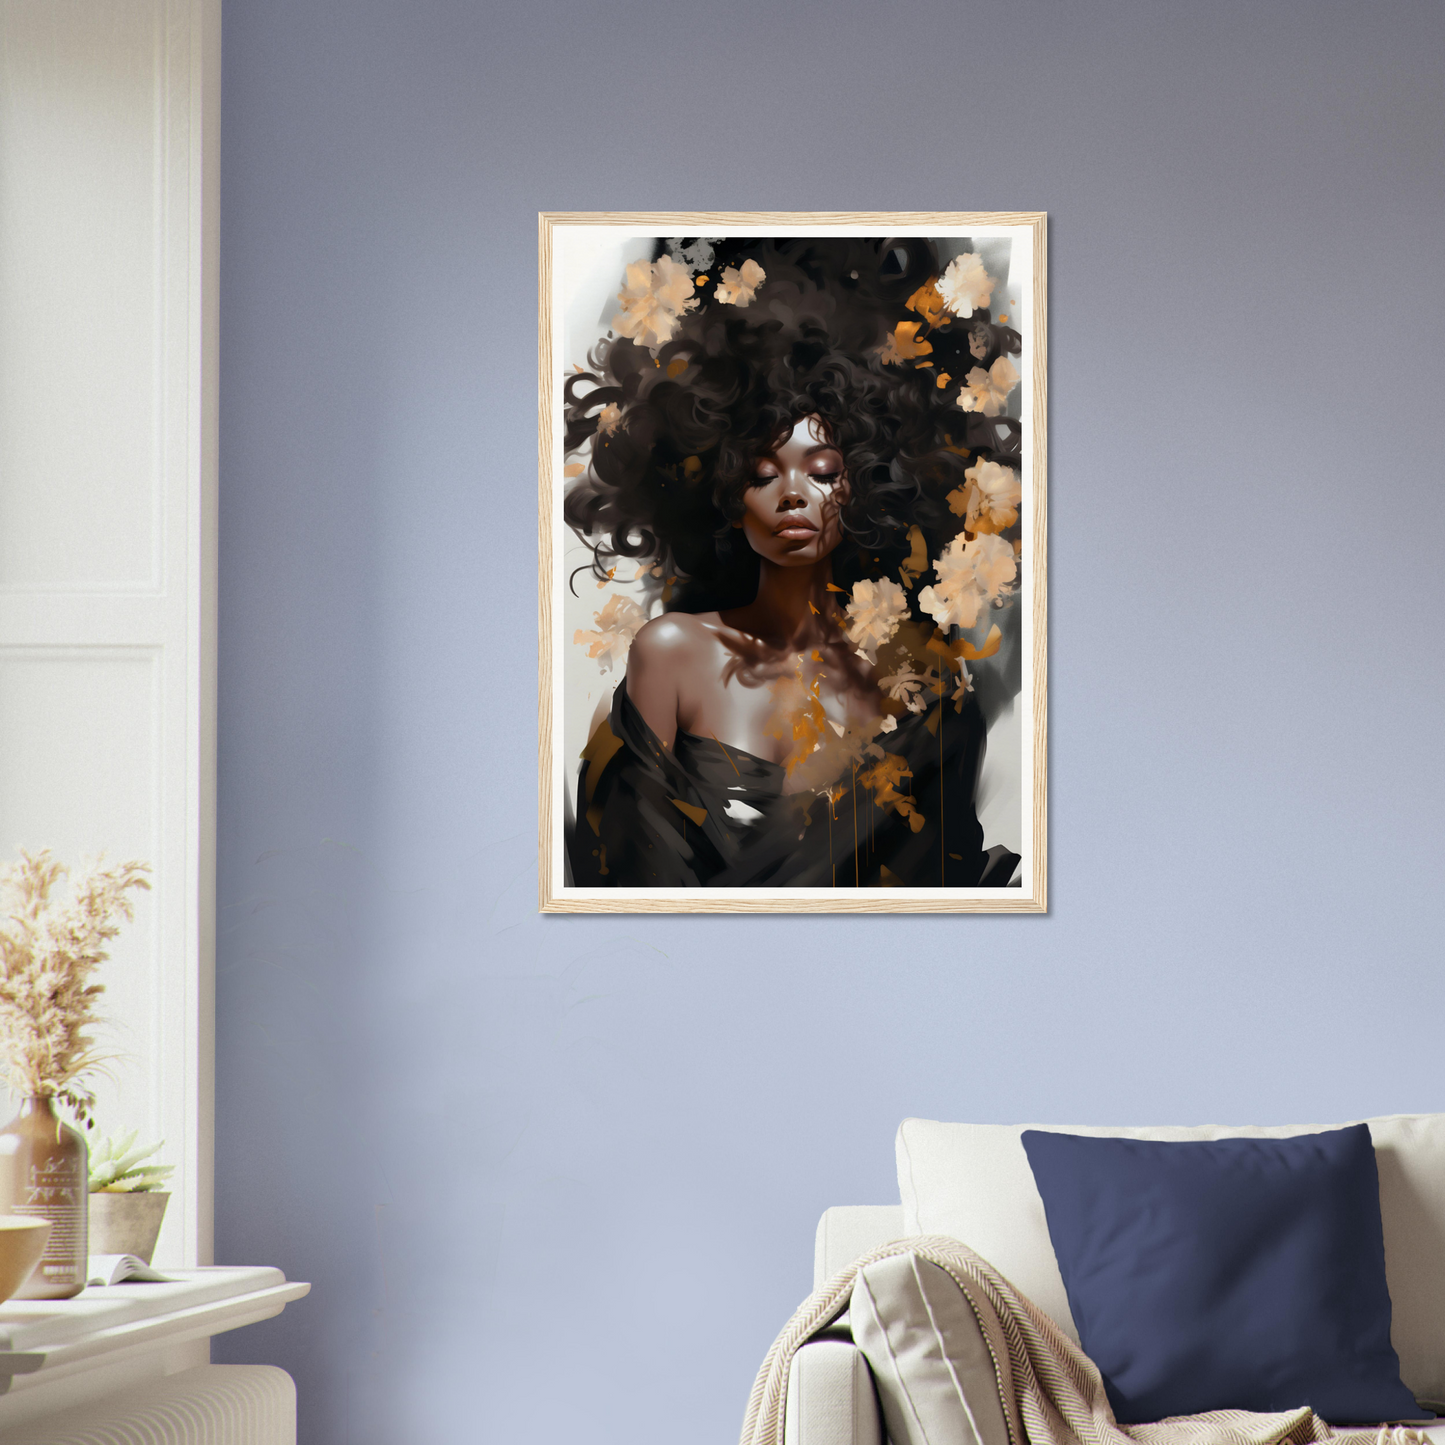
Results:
x,y
1051,1392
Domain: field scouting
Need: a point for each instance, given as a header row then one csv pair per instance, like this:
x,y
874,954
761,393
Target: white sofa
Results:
x,y
973,1182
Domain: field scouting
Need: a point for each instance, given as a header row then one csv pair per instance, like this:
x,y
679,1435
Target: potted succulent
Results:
x,y
127,1202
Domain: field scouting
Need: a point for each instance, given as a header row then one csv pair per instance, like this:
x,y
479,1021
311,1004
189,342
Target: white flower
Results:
x,y
966,287
607,421
965,686
874,612
903,686
990,501
653,297
738,287
618,623
987,391
971,576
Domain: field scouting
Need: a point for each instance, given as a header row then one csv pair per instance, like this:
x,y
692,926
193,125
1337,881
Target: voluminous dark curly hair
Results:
x,y
666,482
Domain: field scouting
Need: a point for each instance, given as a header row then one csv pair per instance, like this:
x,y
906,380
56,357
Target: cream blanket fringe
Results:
x,y
1051,1392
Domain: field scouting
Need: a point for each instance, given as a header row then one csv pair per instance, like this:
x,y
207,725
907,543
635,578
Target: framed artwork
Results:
x,y
792,562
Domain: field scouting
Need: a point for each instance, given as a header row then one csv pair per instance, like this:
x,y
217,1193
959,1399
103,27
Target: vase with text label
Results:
x,y
44,1175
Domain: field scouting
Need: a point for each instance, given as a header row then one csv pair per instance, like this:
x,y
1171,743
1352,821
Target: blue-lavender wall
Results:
x,y
555,1179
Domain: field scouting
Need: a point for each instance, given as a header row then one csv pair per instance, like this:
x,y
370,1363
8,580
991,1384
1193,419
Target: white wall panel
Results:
x,y
81,749
80,745
81,172
108,112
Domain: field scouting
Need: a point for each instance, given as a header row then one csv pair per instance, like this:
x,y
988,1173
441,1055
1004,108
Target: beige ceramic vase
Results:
x,y
44,1175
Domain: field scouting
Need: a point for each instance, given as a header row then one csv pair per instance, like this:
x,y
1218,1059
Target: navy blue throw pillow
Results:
x,y
1218,1274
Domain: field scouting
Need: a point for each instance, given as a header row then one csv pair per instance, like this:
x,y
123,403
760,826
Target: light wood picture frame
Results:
x,y
792,562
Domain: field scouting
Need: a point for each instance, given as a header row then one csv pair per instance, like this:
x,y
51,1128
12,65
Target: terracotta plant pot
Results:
x,y
22,1242
126,1223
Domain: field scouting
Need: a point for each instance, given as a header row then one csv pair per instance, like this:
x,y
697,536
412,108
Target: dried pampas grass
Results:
x,y
49,948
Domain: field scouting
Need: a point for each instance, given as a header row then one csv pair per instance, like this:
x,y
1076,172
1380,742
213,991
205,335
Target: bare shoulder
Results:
x,y
674,635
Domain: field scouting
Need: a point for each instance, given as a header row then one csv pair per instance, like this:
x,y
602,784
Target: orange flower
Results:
x,y
739,287
990,501
653,298
987,391
618,623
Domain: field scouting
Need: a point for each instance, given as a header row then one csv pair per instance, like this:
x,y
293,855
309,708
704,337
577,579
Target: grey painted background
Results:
x,y
556,1179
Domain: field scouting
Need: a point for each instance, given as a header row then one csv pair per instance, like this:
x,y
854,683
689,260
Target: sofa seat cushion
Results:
x,y
1226,1274
973,1181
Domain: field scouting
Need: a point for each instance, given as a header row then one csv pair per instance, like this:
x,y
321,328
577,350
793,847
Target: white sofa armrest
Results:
x,y
848,1230
830,1397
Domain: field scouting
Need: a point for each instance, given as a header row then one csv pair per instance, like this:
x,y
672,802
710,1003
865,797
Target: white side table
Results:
x,y
70,1365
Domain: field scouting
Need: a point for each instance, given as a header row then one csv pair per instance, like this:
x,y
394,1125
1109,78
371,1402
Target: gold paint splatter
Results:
x,y
832,588
691,468
575,470
916,564
677,366
601,748
903,344
969,653
943,379
928,303
883,779
726,754
698,815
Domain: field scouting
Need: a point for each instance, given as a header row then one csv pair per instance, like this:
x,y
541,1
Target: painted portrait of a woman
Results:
x,y
794,464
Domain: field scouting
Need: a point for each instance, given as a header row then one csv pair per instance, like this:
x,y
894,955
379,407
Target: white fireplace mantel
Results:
x,y
57,1355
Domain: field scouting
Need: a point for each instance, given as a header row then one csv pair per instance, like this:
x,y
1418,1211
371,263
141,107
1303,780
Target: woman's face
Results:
x,y
790,512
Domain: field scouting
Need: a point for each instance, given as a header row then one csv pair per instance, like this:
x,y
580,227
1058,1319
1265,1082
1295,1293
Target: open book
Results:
x,y
121,1269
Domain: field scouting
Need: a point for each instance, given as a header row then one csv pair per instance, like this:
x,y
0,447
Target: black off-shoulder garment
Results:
x,y
707,815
